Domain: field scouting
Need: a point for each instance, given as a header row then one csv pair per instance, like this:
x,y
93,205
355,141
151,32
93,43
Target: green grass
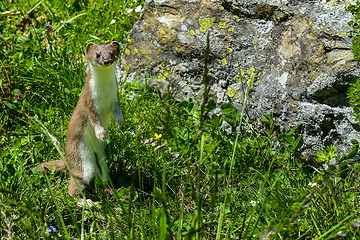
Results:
x,y
176,173
354,90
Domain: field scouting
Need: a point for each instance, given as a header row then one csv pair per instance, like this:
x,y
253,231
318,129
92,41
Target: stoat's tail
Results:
x,y
59,166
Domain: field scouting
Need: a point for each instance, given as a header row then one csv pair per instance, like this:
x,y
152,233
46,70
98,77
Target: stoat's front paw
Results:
x,y
100,133
118,119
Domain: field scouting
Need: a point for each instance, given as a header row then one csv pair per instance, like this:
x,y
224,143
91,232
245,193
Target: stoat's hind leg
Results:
x,y
86,203
76,186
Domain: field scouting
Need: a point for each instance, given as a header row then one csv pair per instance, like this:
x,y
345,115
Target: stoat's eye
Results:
x,y
97,55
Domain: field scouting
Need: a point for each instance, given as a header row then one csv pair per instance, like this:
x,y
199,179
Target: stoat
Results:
x,y
86,133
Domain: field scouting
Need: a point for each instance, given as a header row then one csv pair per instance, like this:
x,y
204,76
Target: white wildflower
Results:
x,y
130,10
138,8
253,203
112,21
313,184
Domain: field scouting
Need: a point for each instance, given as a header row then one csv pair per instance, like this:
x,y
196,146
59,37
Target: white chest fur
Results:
x,y
103,87
104,91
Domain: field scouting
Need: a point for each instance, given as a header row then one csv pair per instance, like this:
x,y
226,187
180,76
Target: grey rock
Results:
x,y
301,48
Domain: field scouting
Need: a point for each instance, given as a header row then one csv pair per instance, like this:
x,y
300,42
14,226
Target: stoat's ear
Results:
x,y
117,47
88,47
117,44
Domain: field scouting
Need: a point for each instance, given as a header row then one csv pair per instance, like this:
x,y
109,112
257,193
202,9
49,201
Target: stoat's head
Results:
x,y
102,54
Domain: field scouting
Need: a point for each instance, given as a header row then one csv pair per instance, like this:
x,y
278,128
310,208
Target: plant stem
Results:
x,y
222,212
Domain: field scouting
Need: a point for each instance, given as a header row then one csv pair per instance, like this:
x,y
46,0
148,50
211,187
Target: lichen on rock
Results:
x,y
205,23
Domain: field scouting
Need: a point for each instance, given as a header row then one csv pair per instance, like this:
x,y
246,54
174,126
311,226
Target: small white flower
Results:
x,y
130,10
253,203
313,184
112,21
138,8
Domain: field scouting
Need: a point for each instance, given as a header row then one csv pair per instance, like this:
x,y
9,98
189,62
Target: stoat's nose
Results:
x,y
108,62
